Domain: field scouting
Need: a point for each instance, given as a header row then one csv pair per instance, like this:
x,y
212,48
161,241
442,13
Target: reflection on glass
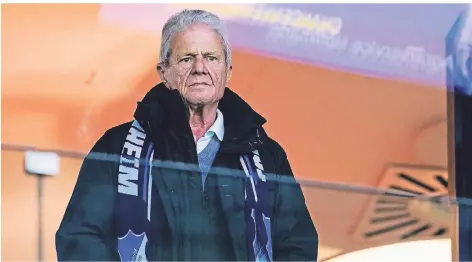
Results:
x,y
409,215
438,250
459,47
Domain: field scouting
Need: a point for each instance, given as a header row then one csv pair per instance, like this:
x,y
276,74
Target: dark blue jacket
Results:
x,y
88,230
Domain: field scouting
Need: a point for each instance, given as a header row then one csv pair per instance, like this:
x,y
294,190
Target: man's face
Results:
x,y
197,66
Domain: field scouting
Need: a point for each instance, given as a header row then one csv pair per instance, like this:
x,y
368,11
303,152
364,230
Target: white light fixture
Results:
x,y
437,250
42,163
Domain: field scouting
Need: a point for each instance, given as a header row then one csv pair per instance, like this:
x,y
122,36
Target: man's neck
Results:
x,y
201,119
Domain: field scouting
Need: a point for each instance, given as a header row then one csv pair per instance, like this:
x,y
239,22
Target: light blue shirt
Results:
x,y
217,129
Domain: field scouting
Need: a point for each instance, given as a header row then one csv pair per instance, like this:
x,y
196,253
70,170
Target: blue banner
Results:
x,y
404,42
397,41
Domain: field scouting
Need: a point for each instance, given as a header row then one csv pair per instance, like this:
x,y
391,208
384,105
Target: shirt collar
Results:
x,y
217,128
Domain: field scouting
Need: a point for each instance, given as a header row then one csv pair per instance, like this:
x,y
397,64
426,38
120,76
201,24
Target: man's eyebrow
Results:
x,y
193,54
189,54
209,53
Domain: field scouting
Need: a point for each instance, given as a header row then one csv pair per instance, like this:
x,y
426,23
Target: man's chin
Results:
x,y
199,102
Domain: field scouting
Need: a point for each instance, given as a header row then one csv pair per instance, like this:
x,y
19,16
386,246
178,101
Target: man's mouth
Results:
x,y
199,83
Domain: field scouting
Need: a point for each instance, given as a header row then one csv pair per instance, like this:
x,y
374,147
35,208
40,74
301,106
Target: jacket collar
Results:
x,y
163,108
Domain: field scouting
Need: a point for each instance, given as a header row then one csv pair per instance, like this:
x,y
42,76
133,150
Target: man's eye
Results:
x,y
185,60
211,58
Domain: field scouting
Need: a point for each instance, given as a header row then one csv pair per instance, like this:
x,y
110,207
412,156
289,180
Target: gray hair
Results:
x,y
181,21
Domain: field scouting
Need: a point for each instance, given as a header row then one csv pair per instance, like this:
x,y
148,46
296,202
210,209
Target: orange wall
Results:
x,y
20,207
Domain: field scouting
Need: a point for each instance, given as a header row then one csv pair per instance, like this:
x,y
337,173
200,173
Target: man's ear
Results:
x,y
161,72
229,73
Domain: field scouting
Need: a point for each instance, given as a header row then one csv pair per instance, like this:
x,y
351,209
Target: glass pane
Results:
x,y
409,206
345,108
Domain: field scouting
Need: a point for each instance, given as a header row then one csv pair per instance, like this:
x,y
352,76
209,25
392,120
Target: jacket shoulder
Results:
x,y
273,156
112,141
274,148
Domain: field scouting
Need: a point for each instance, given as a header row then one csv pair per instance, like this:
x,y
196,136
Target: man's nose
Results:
x,y
199,66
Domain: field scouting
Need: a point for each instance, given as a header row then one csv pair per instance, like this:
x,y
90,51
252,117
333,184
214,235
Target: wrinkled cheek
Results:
x,y
217,81
171,79
182,79
221,88
177,79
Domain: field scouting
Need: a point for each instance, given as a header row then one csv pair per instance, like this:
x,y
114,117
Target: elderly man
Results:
x,y
194,176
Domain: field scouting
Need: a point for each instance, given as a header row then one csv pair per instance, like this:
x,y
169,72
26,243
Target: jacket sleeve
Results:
x,y
85,233
295,236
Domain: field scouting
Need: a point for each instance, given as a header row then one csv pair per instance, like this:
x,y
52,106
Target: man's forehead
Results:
x,y
198,39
